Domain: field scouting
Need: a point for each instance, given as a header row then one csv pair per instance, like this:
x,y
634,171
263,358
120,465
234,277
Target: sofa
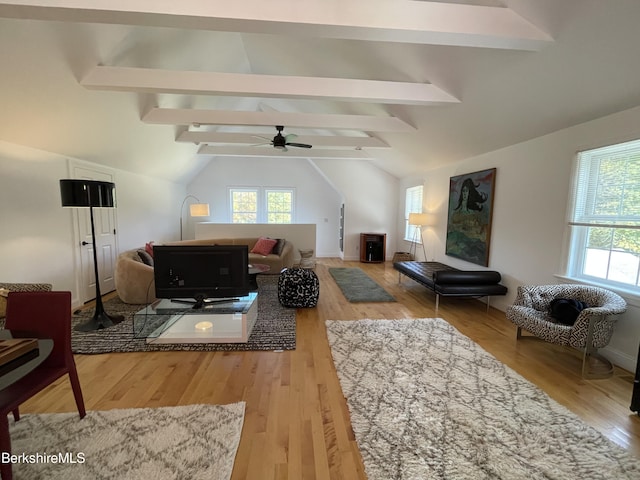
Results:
x,y
134,268
447,281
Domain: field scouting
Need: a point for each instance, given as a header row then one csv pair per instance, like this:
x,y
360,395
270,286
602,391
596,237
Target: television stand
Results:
x,y
167,321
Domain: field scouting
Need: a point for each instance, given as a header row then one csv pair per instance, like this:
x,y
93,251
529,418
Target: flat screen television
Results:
x,y
200,274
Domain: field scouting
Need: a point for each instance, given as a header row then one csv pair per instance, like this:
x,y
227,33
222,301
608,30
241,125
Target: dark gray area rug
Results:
x,y
275,328
357,286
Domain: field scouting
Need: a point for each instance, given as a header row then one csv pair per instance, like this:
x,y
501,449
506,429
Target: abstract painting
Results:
x,y
469,216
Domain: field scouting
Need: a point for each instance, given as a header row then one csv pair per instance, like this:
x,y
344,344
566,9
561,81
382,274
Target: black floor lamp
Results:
x,y
91,193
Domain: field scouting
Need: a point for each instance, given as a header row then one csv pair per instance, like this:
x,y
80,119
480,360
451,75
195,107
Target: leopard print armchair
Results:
x,y
592,329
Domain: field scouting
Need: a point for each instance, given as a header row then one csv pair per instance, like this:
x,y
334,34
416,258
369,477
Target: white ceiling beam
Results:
x,y
147,80
404,21
322,141
362,123
267,151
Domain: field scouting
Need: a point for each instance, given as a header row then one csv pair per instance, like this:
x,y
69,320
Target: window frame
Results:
x,y
268,211
262,207
232,211
589,192
413,203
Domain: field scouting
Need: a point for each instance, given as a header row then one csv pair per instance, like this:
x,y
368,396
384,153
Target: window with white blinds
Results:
x,y
412,204
605,216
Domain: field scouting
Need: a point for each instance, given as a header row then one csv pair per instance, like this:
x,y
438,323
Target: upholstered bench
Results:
x,y
451,282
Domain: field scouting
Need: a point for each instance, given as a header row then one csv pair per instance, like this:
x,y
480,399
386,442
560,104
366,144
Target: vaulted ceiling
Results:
x,y
162,87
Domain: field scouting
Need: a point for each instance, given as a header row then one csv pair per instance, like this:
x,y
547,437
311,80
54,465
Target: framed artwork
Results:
x,y
469,216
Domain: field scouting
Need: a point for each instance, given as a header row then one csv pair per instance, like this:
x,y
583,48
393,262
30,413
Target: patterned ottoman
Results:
x,y
298,287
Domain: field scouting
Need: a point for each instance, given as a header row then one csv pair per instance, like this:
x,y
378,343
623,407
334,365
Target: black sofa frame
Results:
x,y
451,282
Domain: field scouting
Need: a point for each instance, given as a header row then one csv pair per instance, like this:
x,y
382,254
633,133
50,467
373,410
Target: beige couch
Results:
x,y
134,279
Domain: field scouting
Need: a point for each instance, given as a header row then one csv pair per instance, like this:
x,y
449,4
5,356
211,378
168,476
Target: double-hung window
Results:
x,y
279,205
605,216
244,205
412,204
261,205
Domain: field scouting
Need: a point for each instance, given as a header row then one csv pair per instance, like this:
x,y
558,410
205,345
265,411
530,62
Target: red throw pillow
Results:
x,y
148,247
264,246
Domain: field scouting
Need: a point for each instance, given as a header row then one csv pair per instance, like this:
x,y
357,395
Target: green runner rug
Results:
x,y
357,286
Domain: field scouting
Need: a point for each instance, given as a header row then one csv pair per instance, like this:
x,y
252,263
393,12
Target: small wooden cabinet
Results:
x,y
373,247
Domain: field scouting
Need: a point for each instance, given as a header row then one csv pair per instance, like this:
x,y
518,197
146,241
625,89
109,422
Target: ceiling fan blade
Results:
x,y
260,144
261,138
299,145
290,136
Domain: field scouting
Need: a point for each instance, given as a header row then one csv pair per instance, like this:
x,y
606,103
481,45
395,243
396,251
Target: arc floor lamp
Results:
x,y
91,194
195,209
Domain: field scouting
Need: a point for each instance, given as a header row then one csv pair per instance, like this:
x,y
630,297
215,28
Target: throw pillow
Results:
x,y
264,246
148,247
566,310
277,250
145,257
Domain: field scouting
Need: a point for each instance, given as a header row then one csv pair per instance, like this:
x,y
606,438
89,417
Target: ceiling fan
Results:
x,y
281,142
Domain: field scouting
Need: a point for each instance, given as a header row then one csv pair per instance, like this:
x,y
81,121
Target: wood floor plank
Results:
x,y
297,422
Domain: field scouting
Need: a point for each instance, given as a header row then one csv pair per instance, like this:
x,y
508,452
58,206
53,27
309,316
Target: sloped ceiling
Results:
x,y
405,84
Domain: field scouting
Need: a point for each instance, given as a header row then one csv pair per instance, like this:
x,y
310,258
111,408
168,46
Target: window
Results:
x,y
261,205
244,206
605,216
412,204
279,206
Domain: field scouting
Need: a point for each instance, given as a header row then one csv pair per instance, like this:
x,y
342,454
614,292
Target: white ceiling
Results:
x,y
408,85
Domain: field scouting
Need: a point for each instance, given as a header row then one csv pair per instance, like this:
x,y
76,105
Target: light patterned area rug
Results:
x,y
275,328
357,286
187,442
428,402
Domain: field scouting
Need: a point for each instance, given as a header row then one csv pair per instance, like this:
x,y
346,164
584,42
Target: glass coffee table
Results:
x,y
254,270
170,321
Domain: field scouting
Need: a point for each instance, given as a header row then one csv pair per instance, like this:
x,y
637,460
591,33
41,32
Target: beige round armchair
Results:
x,y
592,329
134,279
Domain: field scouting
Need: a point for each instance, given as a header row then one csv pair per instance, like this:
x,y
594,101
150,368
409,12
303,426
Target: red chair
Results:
x,y
38,315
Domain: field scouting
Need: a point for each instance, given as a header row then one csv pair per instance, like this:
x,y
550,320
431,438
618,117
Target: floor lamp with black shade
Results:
x,y
90,194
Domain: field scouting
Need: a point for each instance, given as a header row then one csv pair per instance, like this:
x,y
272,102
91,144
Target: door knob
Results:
x,y
85,243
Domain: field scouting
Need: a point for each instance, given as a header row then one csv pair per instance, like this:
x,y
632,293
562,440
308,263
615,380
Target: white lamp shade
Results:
x,y
199,209
419,219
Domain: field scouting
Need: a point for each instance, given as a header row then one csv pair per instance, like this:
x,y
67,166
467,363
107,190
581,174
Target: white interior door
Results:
x,y
106,241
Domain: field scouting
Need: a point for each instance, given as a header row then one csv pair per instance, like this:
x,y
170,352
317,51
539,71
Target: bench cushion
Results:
x,y
421,272
449,281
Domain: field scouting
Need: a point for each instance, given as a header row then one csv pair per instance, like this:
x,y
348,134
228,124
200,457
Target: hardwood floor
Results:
x,y
297,423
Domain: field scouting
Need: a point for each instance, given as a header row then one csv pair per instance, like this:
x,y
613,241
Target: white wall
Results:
x,y
316,200
529,218
37,241
370,199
